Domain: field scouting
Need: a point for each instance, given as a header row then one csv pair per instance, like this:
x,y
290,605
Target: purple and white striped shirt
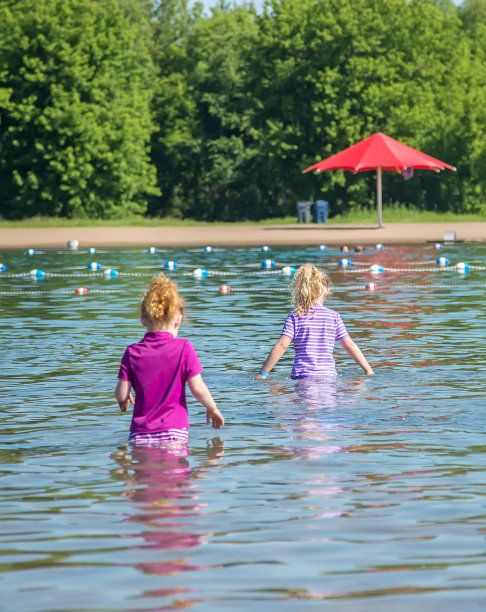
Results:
x,y
314,338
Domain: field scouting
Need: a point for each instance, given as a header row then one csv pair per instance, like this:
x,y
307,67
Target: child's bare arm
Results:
x,y
201,392
353,350
123,395
275,354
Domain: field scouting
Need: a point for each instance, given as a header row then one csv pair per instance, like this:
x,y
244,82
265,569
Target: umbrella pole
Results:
x,y
378,194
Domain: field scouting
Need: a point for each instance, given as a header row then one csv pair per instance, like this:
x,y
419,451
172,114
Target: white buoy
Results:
x,y
91,250
110,273
437,246
268,264
171,265
94,265
73,244
208,249
266,248
462,267
30,251
200,273
379,246
376,268
288,270
345,262
40,274
152,250
442,261
322,247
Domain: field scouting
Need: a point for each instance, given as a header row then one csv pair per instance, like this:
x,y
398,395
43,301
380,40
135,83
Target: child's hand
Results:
x,y
124,405
214,415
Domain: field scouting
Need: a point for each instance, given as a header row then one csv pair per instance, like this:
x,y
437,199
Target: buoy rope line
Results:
x,y
370,287
351,270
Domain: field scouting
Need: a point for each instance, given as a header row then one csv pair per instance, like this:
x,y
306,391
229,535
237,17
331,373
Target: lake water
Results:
x,y
359,494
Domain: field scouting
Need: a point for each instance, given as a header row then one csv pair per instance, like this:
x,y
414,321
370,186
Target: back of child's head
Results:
x,y
309,285
162,302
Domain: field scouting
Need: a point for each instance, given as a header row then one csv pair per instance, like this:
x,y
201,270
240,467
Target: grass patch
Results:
x,y
133,221
391,214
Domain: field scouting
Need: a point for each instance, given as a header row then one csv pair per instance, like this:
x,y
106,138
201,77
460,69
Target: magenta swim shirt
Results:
x,y
158,368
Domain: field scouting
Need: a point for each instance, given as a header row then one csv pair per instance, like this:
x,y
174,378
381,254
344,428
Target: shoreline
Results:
x,y
240,235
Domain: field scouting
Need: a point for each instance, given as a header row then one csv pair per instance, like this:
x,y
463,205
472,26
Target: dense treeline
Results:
x,y
136,106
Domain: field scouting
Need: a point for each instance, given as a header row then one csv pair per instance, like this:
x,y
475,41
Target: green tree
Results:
x,y
173,148
335,71
75,122
204,144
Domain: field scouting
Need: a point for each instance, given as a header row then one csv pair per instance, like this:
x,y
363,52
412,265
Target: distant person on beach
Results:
x,y
158,368
345,248
358,248
314,330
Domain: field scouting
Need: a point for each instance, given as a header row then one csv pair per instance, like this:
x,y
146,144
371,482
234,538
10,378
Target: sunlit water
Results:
x,y
363,493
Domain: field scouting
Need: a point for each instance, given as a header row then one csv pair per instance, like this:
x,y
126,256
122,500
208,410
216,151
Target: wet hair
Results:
x,y
309,284
162,302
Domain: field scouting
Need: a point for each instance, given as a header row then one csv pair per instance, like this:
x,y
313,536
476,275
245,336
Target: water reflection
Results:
x,y
164,495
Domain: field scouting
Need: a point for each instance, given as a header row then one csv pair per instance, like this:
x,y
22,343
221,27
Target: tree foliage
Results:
x,y
74,109
101,100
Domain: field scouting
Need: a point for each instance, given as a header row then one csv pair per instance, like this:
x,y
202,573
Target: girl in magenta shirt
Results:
x,y
158,367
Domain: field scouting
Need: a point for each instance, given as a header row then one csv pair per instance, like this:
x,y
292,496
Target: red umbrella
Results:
x,y
379,152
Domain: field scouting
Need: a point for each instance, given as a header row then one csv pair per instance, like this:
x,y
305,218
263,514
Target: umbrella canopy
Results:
x,y
379,152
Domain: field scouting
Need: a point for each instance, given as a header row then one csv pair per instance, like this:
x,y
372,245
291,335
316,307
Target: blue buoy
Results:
x,y
268,264
3,268
288,270
376,268
171,265
208,249
91,250
30,251
93,265
463,267
110,273
37,274
266,248
152,250
322,247
200,273
442,261
345,263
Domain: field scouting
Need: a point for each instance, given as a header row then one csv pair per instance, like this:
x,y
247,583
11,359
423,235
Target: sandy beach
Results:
x,y
241,235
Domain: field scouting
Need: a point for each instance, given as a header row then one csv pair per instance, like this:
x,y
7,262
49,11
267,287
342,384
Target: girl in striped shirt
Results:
x,y
314,330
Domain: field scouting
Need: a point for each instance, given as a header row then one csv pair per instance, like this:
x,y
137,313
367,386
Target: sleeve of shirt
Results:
x,y
289,326
192,366
125,372
341,331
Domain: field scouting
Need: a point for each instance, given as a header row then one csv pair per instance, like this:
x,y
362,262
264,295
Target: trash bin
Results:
x,y
320,211
303,212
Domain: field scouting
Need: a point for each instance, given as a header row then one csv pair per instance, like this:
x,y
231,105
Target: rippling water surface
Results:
x,y
363,493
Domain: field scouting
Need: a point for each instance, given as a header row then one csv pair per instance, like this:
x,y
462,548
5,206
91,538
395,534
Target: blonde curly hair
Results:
x,y
162,302
309,284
